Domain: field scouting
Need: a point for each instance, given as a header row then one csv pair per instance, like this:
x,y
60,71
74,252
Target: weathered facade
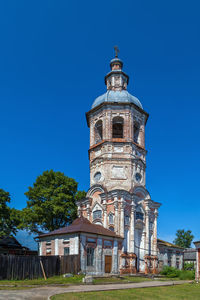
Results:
x,y
197,274
97,247
169,255
118,199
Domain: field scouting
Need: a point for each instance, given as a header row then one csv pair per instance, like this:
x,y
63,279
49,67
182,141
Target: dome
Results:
x,y
116,97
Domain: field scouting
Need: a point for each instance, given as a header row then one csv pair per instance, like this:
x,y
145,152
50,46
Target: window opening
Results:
x,y
90,257
117,127
111,218
97,214
136,132
98,131
66,251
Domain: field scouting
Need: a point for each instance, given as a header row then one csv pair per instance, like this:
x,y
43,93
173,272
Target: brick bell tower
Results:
x,y
117,198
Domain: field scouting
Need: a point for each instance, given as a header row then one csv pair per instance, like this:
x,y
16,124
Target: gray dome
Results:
x,y
117,97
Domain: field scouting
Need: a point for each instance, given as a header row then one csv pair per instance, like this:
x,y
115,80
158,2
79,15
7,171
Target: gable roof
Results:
x,y
167,244
81,225
9,242
190,254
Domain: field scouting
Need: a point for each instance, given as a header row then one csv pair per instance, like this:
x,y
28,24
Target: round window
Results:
x,y
97,176
138,177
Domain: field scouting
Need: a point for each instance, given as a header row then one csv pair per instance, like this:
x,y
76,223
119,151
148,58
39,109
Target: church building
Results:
x,y
117,226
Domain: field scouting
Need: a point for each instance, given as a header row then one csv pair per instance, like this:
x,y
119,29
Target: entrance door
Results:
x,y
108,263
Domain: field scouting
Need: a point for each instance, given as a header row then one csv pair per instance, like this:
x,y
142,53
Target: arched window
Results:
x,y
117,127
136,131
111,218
139,214
98,128
97,214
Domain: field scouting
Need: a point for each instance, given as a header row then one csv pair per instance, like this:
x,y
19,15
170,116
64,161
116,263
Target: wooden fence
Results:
x,y
14,267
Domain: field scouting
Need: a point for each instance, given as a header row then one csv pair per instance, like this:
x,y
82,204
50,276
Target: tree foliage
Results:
x,y
51,203
183,238
9,217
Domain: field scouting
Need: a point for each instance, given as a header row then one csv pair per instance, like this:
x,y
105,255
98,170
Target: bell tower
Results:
x,y
117,198
117,134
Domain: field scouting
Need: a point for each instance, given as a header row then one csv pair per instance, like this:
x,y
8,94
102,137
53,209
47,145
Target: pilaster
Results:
x,y
132,229
122,217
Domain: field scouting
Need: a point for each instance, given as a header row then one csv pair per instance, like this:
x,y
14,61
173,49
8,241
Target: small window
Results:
x,y
108,244
98,131
90,257
48,243
66,240
111,218
89,240
136,131
48,251
111,228
117,127
66,251
97,214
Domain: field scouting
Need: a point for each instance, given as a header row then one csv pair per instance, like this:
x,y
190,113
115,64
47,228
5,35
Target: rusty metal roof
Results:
x,y
81,225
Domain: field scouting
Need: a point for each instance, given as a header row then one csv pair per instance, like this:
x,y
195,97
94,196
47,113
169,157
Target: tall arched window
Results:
x,y
98,131
117,127
111,218
136,131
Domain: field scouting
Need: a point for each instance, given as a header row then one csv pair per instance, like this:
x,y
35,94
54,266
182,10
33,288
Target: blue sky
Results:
x,y
53,58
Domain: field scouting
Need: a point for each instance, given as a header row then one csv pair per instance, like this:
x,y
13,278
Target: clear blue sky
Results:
x,y
53,58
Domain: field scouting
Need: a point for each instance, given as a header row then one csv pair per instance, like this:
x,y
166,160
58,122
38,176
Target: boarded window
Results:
x,y
90,257
98,131
117,127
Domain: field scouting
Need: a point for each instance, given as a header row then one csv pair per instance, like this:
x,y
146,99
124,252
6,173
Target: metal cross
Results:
x,y
116,51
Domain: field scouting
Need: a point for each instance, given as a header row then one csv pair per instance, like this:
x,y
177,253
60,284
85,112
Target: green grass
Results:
x,y
76,279
183,292
121,279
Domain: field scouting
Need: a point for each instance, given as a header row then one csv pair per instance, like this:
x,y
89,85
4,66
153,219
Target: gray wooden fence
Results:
x,y
18,267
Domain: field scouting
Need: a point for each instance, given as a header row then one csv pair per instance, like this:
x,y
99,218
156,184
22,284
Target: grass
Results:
x,y
182,292
121,279
76,279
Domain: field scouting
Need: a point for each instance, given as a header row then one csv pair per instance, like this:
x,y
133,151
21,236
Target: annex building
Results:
x,y
116,231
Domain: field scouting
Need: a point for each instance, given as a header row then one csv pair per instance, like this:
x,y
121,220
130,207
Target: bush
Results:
x,y
171,272
189,266
187,275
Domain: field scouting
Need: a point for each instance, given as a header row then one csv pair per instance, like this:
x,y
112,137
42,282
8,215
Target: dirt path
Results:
x,y
44,293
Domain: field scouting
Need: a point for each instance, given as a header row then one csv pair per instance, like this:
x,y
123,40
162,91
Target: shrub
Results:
x,y
187,275
189,266
171,272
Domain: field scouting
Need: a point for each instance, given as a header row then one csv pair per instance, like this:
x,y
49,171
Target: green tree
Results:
x,y
183,238
9,217
51,203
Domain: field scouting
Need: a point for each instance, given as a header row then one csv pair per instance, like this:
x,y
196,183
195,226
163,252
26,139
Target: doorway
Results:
x,y
108,263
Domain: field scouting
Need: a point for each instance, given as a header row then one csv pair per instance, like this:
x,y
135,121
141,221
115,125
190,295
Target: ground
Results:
x,y
183,292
